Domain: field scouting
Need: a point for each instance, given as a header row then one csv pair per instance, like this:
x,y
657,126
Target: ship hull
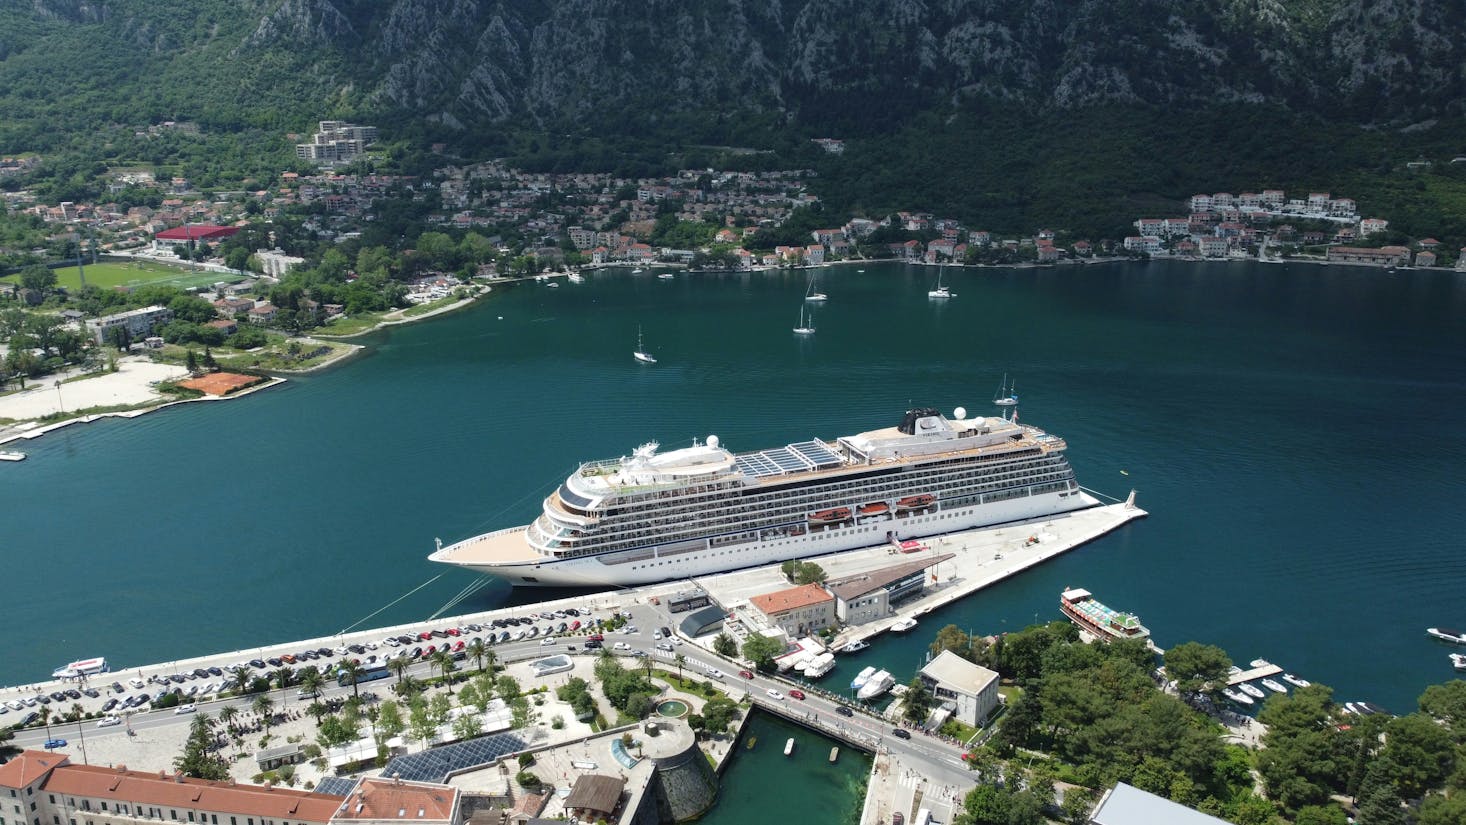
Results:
x,y
595,571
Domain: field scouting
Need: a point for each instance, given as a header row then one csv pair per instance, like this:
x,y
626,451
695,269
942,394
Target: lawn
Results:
x,y
111,274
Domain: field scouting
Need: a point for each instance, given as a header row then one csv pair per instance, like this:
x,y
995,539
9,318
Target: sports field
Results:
x,y
111,274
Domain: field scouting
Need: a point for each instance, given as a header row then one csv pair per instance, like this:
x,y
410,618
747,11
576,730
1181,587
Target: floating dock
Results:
x,y
1255,673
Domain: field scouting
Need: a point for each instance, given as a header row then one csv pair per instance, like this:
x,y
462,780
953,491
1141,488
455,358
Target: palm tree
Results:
x,y
679,660
399,666
46,720
312,680
317,710
283,677
265,707
490,658
77,711
444,662
227,714
351,669
242,674
408,686
477,649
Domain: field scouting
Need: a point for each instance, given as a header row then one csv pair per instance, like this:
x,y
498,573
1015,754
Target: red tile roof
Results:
x,y
196,794
793,598
388,799
28,767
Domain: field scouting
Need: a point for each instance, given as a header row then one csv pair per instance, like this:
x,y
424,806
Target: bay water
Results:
x,y
1290,428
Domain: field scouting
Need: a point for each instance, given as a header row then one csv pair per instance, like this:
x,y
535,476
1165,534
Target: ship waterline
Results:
x,y
699,510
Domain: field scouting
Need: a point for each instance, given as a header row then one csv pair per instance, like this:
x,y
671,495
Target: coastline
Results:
x,y
401,319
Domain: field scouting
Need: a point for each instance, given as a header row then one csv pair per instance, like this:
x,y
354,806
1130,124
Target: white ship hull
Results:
x,y
593,571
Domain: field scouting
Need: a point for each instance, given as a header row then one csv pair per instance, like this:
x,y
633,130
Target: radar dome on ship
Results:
x,y
959,413
713,441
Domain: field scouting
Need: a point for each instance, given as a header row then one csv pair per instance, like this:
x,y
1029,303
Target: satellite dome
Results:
x,y
713,441
960,413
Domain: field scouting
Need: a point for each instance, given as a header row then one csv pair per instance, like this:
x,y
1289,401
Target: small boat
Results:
x,y
875,686
1250,690
1260,663
855,647
636,272
1350,707
819,666
11,455
1368,709
940,291
806,327
576,278
640,352
875,508
1447,634
789,746
903,625
1295,681
752,740
1458,661
1239,698
1005,396
834,753
1273,686
666,276
915,502
1233,670
861,678
832,516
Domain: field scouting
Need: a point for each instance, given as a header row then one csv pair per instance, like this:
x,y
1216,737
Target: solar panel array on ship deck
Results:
x,y
437,764
795,458
337,785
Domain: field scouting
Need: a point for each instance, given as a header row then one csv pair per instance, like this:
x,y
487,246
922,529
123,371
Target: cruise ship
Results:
x,y
653,516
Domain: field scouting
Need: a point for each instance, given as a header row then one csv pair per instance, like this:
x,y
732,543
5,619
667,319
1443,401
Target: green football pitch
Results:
x,y
112,274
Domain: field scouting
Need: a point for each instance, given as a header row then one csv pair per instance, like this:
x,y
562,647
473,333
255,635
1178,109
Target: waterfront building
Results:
x,y
139,323
1384,256
1126,805
43,788
376,801
797,610
968,691
868,596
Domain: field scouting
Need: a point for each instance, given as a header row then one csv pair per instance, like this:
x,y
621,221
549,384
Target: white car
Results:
x,y
15,705
622,646
109,721
715,673
137,683
544,642
657,635
677,640
188,708
773,694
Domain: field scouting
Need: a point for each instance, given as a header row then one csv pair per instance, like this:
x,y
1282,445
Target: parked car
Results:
x,y
53,744
774,694
188,708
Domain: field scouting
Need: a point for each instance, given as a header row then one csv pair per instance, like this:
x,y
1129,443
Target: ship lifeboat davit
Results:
x,y
915,502
832,516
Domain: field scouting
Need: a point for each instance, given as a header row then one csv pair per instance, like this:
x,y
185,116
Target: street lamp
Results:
x,y
59,405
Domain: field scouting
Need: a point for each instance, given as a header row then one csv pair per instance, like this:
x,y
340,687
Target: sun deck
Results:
x,y
501,547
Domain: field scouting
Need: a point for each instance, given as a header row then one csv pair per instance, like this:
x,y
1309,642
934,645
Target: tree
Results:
x,y
724,645
311,680
351,670
718,713
951,637
1321,815
1379,803
283,677
241,674
1422,754
196,760
802,572
191,362
1197,668
1077,804
679,660
468,726
227,714
265,707
1437,810
761,650
389,720
477,649
399,666
917,702
38,278
521,715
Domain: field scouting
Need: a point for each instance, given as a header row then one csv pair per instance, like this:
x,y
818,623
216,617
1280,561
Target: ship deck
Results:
x,y
501,547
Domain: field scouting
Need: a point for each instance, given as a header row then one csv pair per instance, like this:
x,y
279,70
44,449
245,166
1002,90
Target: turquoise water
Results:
x,y
1292,430
763,785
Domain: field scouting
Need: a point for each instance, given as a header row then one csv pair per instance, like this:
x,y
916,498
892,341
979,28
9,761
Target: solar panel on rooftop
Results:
x,y
439,763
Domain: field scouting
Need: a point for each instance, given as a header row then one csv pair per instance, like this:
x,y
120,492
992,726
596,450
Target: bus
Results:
x,y
923,817
367,674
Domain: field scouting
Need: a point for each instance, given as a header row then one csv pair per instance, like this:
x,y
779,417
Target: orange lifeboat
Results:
x,y
832,516
915,502
875,508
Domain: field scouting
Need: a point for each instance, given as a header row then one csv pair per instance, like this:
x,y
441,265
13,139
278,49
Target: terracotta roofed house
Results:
x,y
379,800
797,610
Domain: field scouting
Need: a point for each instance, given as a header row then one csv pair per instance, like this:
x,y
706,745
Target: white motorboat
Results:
x,y
636,272
855,647
666,276
789,746
1458,661
1273,686
861,678
1251,690
903,625
576,278
806,326
1260,663
1239,698
878,684
11,455
819,666
640,352
1296,681
1447,634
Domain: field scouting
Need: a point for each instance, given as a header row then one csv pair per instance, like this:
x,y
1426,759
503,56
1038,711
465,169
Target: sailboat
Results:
x,y
640,353
940,291
1005,397
811,295
805,325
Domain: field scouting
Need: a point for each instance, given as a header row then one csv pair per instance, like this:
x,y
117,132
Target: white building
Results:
x,y
275,263
139,323
970,689
336,142
1124,805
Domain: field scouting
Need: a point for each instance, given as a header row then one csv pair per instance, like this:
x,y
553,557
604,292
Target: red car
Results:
x,y
745,674
597,638
575,625
453,631
431,649
796,694
424,636
459,646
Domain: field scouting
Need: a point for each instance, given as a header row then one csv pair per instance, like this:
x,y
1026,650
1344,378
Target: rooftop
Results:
x,y
178,791
377,799
853,587
28,767
596,793
1131,806
956,672
793,598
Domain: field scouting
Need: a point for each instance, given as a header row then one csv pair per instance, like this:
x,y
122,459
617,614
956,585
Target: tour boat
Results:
x,y
855,647
1447,634
1296,681
861,678
652,516
819,666
789,746
831,516
576,278
1273,686
1005,397
1085,610
915,502
806,327
1250,690
1239,698
903,625
11,455
876,685
640,352
80,668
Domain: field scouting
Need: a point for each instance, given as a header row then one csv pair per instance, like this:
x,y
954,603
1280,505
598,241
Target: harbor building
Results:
x,y
1126,805
797,610
868,596
139,323
376,801
964,690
